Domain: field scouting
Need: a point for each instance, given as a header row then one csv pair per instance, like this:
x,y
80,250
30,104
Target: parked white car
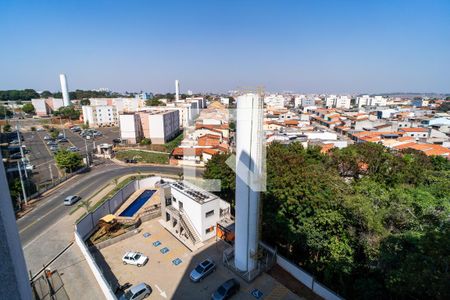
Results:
x,y
134,258
137,292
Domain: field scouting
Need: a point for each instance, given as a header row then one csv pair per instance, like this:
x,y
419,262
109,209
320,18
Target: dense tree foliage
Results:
x,y
68,112
367,222
68,161
85,102
154,102
445,106
82,94
5,112
26,94
28,108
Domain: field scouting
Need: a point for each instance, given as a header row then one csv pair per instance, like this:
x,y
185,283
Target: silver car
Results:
x,y
137,292
202,270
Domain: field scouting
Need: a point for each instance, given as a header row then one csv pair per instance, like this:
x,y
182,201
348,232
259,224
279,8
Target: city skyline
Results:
x,y
320,47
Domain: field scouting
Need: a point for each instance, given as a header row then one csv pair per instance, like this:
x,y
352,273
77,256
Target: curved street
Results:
x,y
51,209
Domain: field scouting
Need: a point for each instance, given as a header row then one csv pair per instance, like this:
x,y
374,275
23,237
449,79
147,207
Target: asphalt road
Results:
x,y
51,208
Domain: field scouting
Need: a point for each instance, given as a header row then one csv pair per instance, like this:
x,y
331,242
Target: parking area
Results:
x,y
42,158
170,263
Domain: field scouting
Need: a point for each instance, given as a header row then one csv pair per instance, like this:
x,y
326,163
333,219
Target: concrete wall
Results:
x,y
104,285
307,279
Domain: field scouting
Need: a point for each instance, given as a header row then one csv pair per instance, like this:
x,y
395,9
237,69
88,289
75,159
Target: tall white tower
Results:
x,y
249,174
64,89
177,90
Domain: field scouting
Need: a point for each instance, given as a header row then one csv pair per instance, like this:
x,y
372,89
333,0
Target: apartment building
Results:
x,y
333,101
100,115
158,125
366,100
130,128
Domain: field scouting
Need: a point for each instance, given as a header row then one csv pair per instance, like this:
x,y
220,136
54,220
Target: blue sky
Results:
x,y
218,45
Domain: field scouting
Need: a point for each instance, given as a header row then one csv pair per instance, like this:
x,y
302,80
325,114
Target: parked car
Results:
x,y
73,149
14,142
226,290
75,129
202,270
47,137
62,140
61,135
137,292
51,143
97,133
29,167
40,129
117,141
130,161
71,199
17,155
134,258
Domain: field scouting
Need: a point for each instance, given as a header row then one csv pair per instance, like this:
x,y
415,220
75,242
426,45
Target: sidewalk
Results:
x,y
78,279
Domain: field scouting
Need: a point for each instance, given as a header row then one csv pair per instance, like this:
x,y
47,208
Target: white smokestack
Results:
x,y
177,90
64,89
249,170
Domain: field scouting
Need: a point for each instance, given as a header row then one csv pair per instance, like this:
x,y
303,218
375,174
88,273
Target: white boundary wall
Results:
x,y
105,287
307,279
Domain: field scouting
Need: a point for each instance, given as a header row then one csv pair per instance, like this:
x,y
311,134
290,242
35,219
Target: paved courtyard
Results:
x,y
168,273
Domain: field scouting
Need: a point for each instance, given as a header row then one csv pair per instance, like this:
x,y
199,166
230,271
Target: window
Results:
x,y
209,229
209,213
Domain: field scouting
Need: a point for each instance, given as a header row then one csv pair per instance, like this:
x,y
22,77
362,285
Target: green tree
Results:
x,y
85,102
216,168
145,141
7,128
68,112
28,108
68,161
5,113
46,94
153,102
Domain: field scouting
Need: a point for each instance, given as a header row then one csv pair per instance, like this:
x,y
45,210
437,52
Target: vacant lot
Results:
x,y
143,156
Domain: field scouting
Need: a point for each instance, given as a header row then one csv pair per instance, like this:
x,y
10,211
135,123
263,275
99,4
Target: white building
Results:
x,y
275,101
163,126
225,100
191,213
366,100
160,126
333,101
130,128
44,107
100,115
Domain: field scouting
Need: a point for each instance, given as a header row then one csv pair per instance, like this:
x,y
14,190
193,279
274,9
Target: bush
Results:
x,y
145,141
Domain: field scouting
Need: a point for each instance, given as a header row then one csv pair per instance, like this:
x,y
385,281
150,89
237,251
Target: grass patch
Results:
x,y
174,143
142,156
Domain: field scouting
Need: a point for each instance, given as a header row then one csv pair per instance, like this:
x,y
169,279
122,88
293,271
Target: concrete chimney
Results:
x,y
249,169
177,90
64,89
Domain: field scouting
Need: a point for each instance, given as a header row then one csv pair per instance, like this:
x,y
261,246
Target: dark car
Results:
x,y
202,270
130,161
62,140
226,290
117,141
17,155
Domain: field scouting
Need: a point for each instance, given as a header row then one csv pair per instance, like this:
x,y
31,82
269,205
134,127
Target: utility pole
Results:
x,y
64,130
22,184
51,172
87,153
20,145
